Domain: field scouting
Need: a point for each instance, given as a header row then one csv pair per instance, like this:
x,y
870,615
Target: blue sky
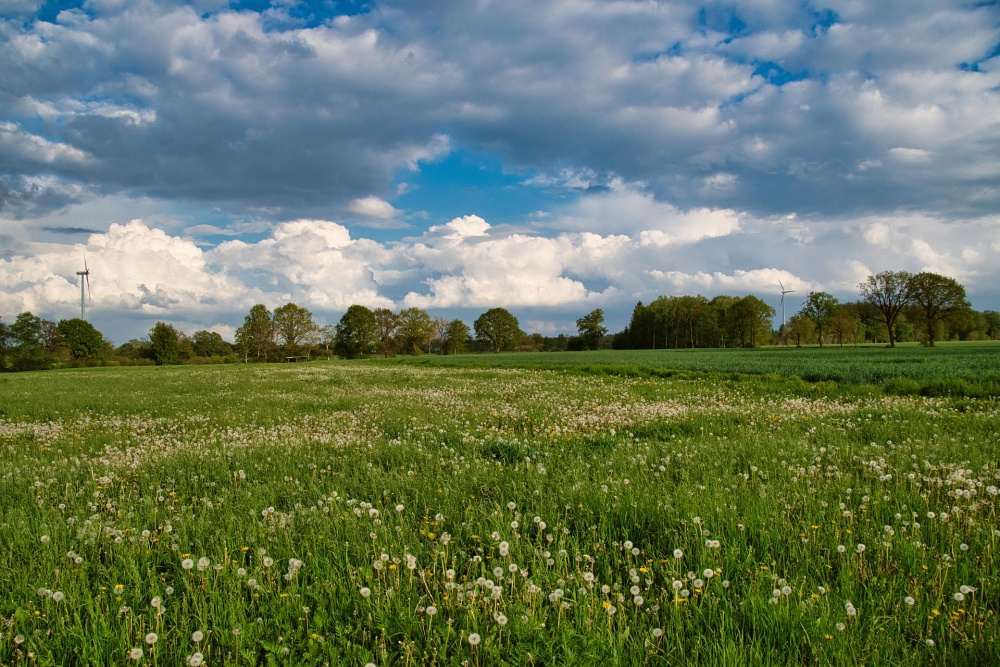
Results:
x,y
549,156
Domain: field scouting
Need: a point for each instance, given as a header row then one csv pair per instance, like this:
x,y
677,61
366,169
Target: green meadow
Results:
x,y
709,507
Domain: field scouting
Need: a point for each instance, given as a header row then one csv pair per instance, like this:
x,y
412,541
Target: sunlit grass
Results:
x,y
348,513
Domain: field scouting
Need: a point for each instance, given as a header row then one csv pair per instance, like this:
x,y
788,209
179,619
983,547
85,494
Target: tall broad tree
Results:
x,y
591,329
206,343
890,292
440,334
30,339
416,328
498,329
844,324
81,338
800,328
819,307
256,336
387,323
456,337
937,298
357,333
165,342
293,326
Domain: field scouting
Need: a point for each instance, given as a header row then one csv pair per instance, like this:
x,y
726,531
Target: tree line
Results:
x,y
893,306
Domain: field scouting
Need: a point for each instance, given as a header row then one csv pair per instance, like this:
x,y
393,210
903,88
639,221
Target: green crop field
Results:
x,y
950,368
777,506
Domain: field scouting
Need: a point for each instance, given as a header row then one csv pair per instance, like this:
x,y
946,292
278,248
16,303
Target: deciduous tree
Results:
x,y
819,306
937,297
456,337
293,326
890,292
357,333
387,323
591,329
165,343
498,329
415,331
256,337
81,338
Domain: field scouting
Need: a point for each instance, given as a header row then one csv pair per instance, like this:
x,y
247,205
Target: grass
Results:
x,y
969,369
385,513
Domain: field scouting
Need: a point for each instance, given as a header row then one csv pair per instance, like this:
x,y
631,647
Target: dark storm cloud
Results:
x,y
165,101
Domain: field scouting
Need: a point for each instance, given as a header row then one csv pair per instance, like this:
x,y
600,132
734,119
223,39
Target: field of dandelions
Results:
x,y
361,513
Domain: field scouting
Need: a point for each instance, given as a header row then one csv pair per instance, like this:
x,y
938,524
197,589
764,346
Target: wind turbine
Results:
x,y
783,293
84,277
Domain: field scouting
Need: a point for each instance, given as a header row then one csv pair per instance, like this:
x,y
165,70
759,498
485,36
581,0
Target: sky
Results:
x,y
548,156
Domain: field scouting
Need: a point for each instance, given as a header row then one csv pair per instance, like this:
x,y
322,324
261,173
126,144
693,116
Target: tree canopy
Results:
x,y
357,333
498,329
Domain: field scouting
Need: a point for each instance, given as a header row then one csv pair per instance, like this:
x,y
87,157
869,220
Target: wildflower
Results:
x,y
678,554
268,561
399,509
504,548
156,602
196,660
501,620
474,639
959,596
18,639
708,573
860,548
58,596
930,642
44,539
841,548
366,592
657,632
135,654
909,601
841,627
197,636
850,609
203,563
431,610
151,638
187,563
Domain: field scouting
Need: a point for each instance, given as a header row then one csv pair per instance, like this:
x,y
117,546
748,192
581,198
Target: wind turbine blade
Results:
x,y
781,286
85,263
90,295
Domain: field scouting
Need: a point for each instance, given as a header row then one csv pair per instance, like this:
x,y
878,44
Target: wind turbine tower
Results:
x,y
783,293
84,277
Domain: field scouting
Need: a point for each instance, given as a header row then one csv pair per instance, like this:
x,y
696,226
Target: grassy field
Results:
x,y
349,513
964,369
